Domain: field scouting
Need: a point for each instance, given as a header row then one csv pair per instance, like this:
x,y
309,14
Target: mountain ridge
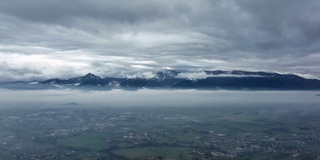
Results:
x,y
216,79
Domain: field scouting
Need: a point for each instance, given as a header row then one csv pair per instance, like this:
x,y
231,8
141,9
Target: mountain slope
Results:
x,y
217,79
257,83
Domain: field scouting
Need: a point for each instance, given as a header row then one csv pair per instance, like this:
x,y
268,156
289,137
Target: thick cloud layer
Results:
x,y
43,39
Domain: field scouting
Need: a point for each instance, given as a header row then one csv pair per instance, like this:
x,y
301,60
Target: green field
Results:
x,y
164,152
90,141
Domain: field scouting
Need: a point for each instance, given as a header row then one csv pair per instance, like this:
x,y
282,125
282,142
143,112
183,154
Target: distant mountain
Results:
x,y
87,80
140,82
166,74
218,79
250,80
167,78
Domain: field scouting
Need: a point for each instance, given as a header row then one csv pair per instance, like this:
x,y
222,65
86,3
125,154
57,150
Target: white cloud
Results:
x,y
203,75
40,39
193,75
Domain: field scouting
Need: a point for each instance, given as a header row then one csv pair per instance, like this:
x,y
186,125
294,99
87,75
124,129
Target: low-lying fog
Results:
x,y
152,98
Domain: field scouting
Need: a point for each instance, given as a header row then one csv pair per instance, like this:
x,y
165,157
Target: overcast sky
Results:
x,y
42,39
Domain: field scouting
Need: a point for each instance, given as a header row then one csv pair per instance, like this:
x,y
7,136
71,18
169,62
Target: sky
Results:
x,y
41,39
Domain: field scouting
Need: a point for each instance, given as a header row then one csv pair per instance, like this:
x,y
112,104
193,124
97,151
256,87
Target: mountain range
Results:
x,y
217,79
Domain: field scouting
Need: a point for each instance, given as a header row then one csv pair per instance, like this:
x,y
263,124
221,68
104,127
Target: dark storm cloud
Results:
x,y
125,37
60,11
287,24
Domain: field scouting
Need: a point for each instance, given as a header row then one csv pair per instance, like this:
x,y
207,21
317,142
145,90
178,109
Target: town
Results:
x,y
78,132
